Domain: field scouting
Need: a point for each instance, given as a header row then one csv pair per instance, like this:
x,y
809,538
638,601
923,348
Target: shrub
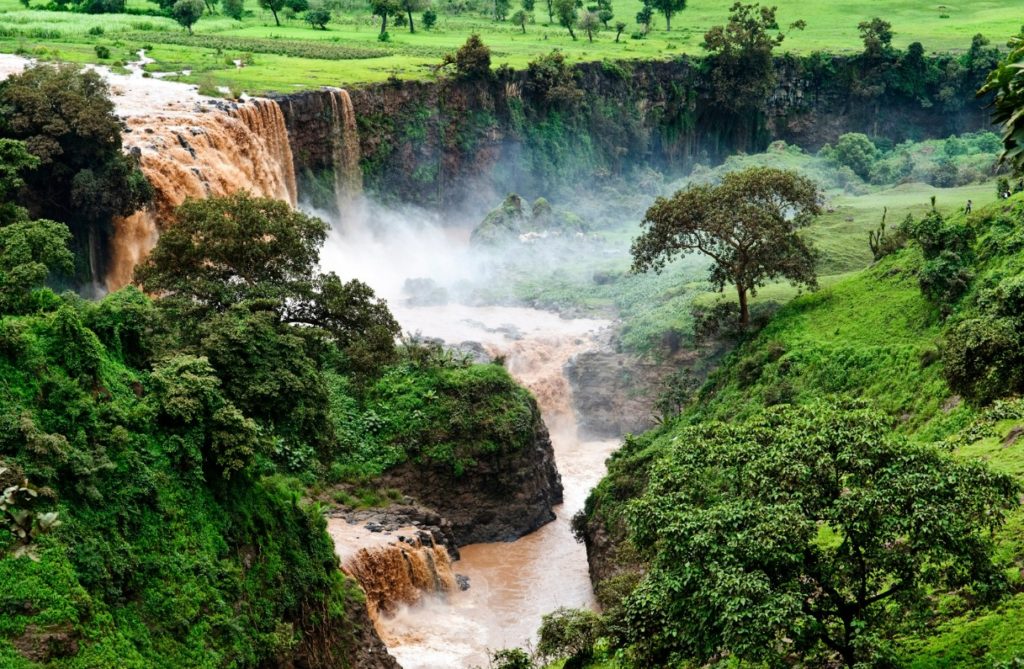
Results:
x,y
472,60
856,151
429,19
984,358
569,633
318,17
102,52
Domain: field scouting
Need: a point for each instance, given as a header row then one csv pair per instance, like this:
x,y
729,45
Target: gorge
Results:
x,y
460,509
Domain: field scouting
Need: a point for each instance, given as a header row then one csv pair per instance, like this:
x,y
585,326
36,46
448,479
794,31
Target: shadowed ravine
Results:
x,y
512,584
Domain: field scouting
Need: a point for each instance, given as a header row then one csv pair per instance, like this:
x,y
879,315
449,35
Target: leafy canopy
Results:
x,y
809,530
1007,83
748,225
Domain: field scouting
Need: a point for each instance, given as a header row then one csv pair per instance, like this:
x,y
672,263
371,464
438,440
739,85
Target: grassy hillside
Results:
x,y
294,56
874,337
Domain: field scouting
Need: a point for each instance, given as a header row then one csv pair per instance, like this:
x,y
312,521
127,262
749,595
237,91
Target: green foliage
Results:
x,y
19,515
472,60
808,530
748,226
233,8
30,252
67,121
552,82
1006,81
569,633
510,658
856,151
983,358
565,13
429,19
187,12
740,56
318,17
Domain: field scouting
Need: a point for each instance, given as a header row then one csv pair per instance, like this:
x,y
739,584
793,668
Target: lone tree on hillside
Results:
x,y
810,532
520,18
472,60
668,8
565,10
591,23
188,12
383,9
748,225
410,6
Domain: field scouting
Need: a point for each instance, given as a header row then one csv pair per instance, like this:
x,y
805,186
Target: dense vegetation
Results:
x,y
157,455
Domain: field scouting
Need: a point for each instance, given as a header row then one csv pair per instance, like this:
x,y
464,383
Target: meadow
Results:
x,y
295,56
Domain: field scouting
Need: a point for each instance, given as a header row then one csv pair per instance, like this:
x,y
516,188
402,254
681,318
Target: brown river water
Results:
x,y
513,584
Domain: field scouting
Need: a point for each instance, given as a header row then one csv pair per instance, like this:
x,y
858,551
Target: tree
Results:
x,y
528,6
668,8
856,151
318,17
429,19
748,225
472,60
590,23
223,253
569,633
520,19
234,8
551,11
30,253
645,16
604,12
66,120
187,12
742,68
15,160
410,6
501,8
565,10
1006,82
877,37
384,9
811,532
619,27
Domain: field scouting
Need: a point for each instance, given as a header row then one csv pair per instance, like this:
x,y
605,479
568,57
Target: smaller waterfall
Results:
x,y
401,573
207,154
348,176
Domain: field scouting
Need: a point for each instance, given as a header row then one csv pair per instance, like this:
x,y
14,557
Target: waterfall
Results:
x,y
204,154
348,176
400,573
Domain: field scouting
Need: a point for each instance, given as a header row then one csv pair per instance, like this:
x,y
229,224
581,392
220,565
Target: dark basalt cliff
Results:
x,y
502,498
454,143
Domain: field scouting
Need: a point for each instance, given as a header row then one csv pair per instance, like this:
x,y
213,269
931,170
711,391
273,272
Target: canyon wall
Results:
x,y
456,143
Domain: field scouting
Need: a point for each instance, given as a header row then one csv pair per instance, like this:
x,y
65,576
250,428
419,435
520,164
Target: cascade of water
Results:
x,y
400,573
201,155
348,176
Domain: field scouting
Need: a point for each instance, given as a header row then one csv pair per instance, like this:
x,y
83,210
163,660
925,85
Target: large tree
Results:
x,y
384,9
223,253
740,55
748,225
808,532
66,119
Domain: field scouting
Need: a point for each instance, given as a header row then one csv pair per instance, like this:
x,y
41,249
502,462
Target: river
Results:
x,y
513,584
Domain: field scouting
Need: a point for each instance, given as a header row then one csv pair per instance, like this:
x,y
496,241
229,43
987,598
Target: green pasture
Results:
x,y
831,26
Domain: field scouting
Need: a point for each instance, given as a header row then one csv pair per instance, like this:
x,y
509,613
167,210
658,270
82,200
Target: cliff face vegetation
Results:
x,y
553,125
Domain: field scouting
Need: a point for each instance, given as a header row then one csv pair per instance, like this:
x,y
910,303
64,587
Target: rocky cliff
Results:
x,y
505,496
456,143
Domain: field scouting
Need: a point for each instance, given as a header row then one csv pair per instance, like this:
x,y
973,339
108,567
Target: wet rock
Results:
x,y
44,644
463,582
432,528
505,496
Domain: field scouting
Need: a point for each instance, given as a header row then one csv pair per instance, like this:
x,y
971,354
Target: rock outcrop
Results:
x,y
502,498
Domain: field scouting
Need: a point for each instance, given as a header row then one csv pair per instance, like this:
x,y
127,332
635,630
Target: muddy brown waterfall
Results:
x,y
345,152
213,153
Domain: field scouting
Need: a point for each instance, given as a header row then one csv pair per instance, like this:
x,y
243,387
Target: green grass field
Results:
x,y
831,26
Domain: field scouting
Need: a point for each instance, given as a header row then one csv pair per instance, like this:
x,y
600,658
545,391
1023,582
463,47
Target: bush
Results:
x,y
984,358
318,17
472,60
102,52
569,633
429,19
856,151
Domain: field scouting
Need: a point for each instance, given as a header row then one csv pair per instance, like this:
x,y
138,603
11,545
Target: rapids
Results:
x,y
512,585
